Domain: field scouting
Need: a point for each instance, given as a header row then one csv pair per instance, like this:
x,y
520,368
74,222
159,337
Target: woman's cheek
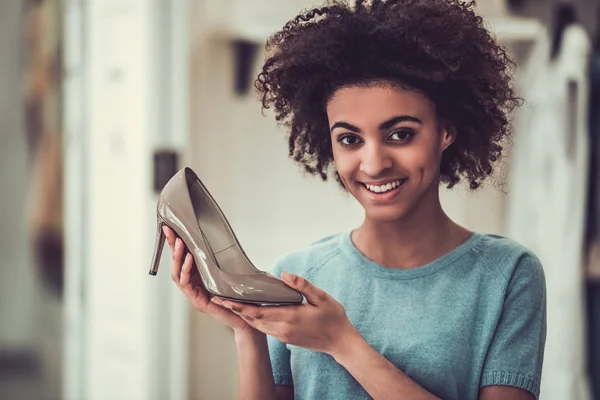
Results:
x,y
345,165
415,159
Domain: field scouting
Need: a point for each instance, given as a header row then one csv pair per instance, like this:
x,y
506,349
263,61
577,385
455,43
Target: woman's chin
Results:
x,y
389,214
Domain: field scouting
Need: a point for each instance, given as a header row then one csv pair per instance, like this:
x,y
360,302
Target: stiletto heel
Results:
x,y
159,244
187,207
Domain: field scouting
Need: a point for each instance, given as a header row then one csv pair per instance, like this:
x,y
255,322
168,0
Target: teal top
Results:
x,y
474,317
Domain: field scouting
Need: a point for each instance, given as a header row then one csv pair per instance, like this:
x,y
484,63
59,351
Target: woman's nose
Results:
x,y
375,160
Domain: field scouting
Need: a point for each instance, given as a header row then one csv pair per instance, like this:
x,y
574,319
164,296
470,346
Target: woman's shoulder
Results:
x,y
509,257
501,244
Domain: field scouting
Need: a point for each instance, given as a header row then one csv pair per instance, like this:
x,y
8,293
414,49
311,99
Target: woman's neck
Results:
x,y
418,239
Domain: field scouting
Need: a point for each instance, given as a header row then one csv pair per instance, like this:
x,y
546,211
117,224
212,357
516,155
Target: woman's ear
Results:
x,y
448,135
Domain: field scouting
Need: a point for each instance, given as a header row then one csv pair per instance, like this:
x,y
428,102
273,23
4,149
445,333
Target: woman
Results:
x,y
398,97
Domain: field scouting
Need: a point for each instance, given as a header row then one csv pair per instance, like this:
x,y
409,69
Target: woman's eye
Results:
x,y
349,140
402,135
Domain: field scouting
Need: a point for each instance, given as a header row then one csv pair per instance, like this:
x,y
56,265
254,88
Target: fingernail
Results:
x,y
216,300
164,229
226,305
231,307
177,243
187,257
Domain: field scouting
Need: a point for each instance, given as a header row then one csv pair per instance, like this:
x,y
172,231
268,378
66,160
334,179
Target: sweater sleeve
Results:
x,y
515,355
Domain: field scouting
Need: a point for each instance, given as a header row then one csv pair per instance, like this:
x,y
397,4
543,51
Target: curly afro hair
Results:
x,y
438,47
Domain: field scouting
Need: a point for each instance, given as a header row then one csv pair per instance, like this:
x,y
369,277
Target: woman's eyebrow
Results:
x,y
345,125
383,126
400,118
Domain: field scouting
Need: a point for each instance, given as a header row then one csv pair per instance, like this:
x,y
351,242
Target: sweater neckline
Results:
x,y
371,267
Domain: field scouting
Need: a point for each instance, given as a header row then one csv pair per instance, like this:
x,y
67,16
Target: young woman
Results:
x,y
395,97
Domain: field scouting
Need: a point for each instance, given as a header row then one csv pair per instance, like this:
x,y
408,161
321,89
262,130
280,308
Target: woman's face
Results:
x,y
387,146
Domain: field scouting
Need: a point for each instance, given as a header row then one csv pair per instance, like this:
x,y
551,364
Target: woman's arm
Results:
x,y
382,380
337,337
285,392
255,377
377,375
504,393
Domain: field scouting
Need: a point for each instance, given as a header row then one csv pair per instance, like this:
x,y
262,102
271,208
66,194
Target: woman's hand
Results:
x,y
318,324
187,278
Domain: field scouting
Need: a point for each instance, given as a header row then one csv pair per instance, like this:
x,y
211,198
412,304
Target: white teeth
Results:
x,y
383,188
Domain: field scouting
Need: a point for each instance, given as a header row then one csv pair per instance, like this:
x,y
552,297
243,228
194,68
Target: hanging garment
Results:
x,y
593,255
42,121
593,307
547,198
593,250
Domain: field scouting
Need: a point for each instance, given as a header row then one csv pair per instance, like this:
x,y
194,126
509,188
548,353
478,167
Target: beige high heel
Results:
x,y
186,206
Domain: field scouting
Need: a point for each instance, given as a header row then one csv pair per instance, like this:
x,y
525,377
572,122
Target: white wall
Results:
x,y
123,333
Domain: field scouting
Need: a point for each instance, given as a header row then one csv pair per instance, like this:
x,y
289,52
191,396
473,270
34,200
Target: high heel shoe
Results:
x,y
187,207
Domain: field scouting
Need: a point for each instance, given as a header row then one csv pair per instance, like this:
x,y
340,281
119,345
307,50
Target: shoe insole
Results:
x,y
217,233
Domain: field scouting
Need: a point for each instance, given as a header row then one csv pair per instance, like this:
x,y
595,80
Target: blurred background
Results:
x,y
104,100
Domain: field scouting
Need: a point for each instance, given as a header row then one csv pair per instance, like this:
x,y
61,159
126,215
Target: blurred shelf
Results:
x,y
514,29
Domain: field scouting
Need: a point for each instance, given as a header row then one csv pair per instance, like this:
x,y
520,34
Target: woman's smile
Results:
x,y
385,192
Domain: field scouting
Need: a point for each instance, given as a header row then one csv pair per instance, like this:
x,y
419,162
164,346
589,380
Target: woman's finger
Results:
x,y
197,296
176,267
217,309
186,270
200,298
179,252
191,287
170,236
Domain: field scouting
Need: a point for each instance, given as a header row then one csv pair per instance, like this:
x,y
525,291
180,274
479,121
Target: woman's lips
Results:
x,y
385,197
